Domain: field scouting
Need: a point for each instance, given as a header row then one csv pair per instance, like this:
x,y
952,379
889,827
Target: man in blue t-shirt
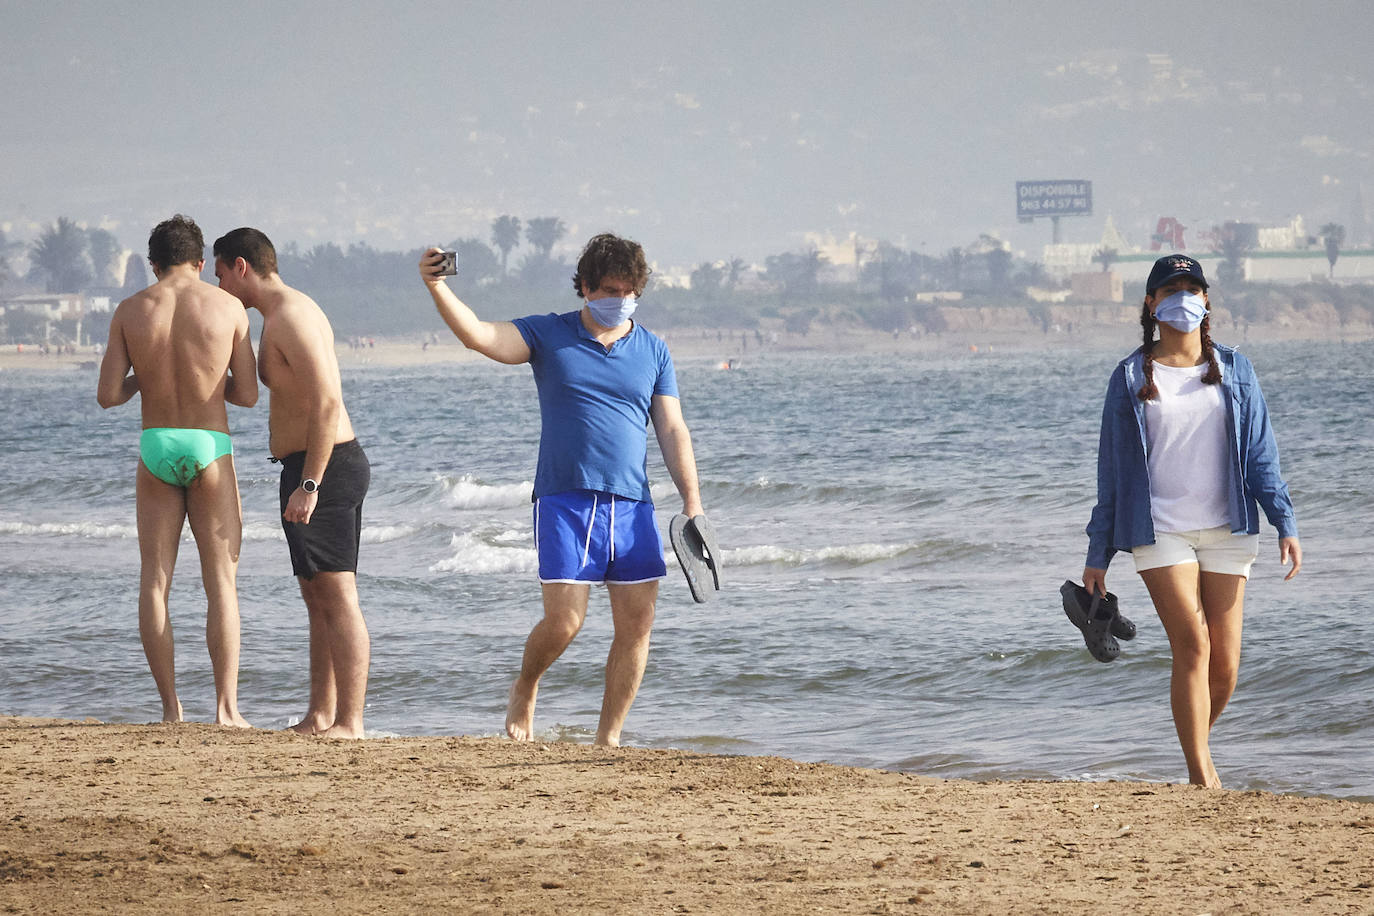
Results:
x,y
602,378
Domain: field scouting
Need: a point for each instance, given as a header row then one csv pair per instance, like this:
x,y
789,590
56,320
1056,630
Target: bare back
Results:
x,y
299,366
181,336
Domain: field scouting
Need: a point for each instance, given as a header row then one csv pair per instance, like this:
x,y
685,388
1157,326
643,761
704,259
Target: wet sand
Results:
x,y
140,818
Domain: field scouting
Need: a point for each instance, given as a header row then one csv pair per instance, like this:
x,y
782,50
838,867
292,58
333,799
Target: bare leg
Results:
x,y
212,503
632,613
1223,604
323,691
161,511
565,608
1175,592
338,668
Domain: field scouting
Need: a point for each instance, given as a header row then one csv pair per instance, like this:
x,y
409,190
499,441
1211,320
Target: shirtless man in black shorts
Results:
x,y
324,475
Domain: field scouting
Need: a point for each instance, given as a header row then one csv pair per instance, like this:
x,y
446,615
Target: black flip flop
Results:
x,y
694,543
1093,616
707,535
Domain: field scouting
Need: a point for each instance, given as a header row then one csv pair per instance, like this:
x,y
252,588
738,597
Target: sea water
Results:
x,y
895,531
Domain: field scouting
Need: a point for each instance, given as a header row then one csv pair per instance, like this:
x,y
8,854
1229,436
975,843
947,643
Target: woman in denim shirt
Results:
x,y
1185,457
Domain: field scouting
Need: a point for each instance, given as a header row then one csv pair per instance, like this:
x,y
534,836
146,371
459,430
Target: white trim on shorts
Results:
x,y
1215,550
602,581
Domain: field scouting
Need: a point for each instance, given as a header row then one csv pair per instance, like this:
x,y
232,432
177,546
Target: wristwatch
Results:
x,y
309,485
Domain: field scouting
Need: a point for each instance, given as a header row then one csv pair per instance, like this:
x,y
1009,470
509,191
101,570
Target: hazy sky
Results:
x,y
703,129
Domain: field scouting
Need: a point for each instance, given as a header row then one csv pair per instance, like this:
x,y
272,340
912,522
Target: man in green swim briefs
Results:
x,y
177,456
182,345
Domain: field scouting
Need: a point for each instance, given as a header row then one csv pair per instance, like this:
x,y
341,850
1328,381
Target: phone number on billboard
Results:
x,y
1046,205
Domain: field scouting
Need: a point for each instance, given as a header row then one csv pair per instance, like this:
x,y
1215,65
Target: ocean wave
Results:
x,y
466,492
68,529
380,534
257,531
483,556
846,554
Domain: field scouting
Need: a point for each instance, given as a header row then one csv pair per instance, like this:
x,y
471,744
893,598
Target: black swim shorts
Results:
x,y
330,542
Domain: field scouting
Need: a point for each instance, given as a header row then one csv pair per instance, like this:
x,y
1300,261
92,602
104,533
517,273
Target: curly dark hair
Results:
x,y
608,255
175,241
1149,391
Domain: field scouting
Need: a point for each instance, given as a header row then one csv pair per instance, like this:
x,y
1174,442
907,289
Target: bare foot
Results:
x,y
172,715
607,741
234,721
310,725
1210,779
339,731
1213,777
520,712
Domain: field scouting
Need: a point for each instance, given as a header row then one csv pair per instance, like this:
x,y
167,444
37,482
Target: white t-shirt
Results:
x,y
1185,432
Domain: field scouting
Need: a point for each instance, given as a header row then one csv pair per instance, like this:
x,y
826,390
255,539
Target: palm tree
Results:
x,y
1333,234
707,277
135,275
999,269
544,232
105,251
952,266
505,235
6,246
1106,257
1233,248
60,253
735,272
797,275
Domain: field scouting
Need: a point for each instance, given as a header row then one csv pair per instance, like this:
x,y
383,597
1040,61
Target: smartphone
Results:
x,y
448,263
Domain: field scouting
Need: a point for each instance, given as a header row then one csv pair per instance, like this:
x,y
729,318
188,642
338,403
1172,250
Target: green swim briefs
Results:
x,y
177,456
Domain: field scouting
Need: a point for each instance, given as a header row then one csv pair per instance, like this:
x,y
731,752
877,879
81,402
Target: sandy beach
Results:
x,y
137,818
984,331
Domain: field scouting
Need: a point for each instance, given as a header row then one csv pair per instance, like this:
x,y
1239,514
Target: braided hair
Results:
x,y
1149,391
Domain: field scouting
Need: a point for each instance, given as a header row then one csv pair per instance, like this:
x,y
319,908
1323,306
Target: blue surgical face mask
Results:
x,y
612,311
1183,311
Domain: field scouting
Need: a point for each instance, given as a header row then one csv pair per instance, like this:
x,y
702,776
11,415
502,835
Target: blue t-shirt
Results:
x,y
594,404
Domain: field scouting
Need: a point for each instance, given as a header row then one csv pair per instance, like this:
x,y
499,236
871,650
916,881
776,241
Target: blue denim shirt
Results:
x,y
1121,519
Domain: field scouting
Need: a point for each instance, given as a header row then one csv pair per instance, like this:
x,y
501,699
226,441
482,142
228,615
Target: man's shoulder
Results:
x,y
652,343
547,325
295,308
140,299
651,338
296,320
545,319
213,295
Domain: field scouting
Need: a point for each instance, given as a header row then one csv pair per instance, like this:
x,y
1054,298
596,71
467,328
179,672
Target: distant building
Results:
x,y
1097,286
1283,253
54,306
1292,237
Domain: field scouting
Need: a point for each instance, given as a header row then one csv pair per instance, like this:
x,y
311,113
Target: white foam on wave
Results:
x,y
380,534
474,555
792,556
372,534
68,529
259,531
466,493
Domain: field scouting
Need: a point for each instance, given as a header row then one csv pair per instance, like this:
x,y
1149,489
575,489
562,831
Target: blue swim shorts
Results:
x,y
586,536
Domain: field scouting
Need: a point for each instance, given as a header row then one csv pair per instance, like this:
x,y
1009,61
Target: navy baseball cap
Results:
x,y
1171,266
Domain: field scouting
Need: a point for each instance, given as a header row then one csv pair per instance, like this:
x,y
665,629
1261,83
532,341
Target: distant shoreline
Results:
x,y
987,334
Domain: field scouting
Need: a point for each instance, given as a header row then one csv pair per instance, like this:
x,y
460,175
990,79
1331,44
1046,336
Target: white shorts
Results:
x,y
1212,549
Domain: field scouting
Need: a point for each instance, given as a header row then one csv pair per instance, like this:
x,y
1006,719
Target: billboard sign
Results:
x,y
1053,198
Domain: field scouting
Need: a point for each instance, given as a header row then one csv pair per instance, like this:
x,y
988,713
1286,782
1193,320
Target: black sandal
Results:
x,y
1095,617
